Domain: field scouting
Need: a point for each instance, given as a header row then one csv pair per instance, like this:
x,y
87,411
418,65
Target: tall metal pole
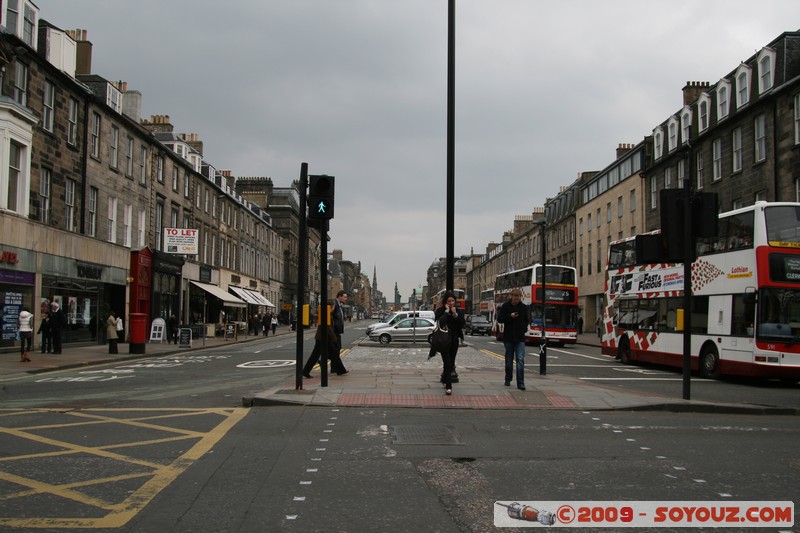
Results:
x,y
451,120
323,307
543,342
688,254
301,276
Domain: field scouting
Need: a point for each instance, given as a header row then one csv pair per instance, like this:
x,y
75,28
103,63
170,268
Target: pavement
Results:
x,y
400,375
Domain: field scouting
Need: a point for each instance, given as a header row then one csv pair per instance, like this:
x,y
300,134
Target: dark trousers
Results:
x,y
113,346
25,342
56,333
47,343
333,356
449,362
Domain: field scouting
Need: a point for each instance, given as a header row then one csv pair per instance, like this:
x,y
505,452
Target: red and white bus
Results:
x,y
486,304
746,299
460,295
562,301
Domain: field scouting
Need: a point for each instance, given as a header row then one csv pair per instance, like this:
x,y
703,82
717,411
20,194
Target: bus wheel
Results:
x,y
624,352
709,363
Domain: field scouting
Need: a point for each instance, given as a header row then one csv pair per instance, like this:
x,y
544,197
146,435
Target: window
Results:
x,y
766,64
672,134
681,172
45,180
142,228
112,220
12,16
160,168
598,217
633,201
686,124
653,192
716,156
658,142
589,222
72,122
29,25
700,168
48,103
186,185
608,213
619,207
760,135
159,223
129,158
95,142
736,143
742,85
91,228
580,226
589,259
20,90
143,165
113,150
175,178
723,99
703,107
599,255
70,213
797,118
127,219
668,178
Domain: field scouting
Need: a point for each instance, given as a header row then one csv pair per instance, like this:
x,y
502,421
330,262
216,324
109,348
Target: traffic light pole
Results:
x,y
301,277
323,304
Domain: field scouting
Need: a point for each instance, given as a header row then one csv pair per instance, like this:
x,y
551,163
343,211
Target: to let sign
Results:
x,y
181,241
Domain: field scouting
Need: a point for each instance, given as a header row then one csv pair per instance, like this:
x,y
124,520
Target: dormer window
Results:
x,y
113,98
686,124
723,99
703,111
672,134
766,70
658,143
742,85
21,19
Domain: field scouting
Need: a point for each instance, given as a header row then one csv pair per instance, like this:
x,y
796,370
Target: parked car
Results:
x,y
396,317
404,330
478,325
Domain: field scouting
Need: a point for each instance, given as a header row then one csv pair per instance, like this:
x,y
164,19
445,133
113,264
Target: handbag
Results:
x,y
119,324
440,339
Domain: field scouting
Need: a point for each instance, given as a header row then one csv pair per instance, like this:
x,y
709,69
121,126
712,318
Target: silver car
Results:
x,y
405,330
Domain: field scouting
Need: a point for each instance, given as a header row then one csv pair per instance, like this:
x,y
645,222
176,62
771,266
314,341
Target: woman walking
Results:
x,y
451,317
25,335
111,333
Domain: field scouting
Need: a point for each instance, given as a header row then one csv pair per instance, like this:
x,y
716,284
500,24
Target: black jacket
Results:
x,y
454,324
514,329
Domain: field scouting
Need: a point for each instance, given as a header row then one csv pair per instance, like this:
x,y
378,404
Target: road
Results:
x,y
162,444
588,364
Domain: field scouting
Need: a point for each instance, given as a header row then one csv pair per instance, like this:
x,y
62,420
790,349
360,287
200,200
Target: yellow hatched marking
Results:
x,y
158,476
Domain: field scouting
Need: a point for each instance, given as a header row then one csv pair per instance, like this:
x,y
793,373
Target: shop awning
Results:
x,y
251,297
226,297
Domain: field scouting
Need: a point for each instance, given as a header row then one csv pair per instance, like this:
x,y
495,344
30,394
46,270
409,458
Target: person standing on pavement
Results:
x,y
44,331
273,322
338,327
172,330
451,317
111,333
25,335
57,324
515,317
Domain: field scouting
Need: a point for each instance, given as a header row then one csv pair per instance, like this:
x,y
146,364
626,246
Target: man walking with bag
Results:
x,y
515,317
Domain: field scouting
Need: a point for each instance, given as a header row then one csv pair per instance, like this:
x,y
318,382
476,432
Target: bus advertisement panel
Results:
x,y
745,315
561,301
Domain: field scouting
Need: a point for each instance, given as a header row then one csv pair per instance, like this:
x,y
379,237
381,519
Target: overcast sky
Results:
x,y
358,90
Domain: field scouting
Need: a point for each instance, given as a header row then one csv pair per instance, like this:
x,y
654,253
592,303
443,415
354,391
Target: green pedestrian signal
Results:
x,y
320,197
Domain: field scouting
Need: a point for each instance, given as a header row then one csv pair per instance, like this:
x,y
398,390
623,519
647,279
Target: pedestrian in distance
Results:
x,y
451,317
338,327
44,331
323,334
25,335
111,333
58,321
515,317
273,322
172,330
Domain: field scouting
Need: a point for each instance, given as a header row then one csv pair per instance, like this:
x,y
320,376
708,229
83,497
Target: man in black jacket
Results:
x,y
515,317
58,321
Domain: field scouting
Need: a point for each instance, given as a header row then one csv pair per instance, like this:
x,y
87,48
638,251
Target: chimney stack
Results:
x,y
693,89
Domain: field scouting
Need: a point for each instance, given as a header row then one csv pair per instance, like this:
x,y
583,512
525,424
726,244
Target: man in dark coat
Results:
x,y
58,321
515,317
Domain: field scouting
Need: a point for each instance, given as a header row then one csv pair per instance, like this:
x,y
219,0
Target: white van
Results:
x,y
397,316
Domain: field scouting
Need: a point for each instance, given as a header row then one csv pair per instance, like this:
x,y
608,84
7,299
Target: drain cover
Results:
x,y
425,435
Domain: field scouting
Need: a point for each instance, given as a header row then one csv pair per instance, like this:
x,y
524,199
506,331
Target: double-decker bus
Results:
x,y
561,301
486,304
746,299
460,295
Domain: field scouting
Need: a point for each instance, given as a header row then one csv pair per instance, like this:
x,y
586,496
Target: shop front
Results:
x,y
17,281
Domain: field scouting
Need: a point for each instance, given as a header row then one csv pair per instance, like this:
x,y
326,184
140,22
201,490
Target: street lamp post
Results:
x,y
543,342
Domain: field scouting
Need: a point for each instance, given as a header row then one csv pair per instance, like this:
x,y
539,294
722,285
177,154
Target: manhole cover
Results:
x,y
425,435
